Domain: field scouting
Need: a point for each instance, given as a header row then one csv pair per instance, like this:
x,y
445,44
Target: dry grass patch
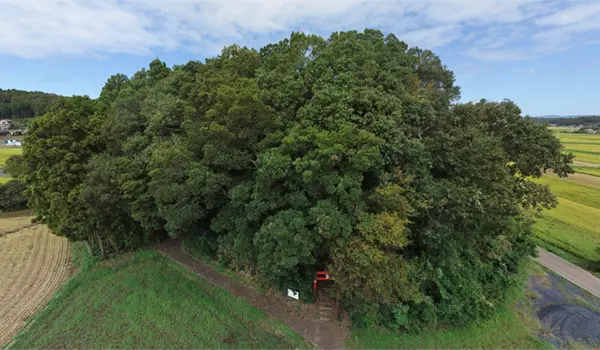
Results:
x,y
33,264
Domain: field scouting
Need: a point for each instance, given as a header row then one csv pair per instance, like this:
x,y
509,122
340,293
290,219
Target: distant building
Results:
x,y
13,143
5,124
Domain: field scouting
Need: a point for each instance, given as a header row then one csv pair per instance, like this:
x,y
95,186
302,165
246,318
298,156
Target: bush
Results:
x,y
12,196
14,165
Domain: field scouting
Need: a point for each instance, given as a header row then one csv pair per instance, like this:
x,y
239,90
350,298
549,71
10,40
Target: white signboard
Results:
x,y
293,294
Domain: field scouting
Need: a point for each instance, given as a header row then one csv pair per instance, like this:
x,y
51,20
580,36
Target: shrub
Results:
x,y
12,196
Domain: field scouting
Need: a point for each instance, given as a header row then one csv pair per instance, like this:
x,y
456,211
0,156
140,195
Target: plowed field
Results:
x,y
33,264
14,224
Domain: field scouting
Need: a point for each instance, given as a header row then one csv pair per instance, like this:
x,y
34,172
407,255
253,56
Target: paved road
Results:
x,y
571,272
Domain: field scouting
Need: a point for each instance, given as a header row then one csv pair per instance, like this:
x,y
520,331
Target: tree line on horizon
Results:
x,y
346,153
570,121
19,104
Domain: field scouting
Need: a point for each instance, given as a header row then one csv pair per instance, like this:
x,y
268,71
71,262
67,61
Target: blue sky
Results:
x,y
545,55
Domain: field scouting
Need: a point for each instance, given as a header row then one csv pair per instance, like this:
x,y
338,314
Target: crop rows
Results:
x,y
33,265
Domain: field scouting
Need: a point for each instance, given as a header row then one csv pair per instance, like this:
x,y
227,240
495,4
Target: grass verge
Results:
x,y
508,329
149,302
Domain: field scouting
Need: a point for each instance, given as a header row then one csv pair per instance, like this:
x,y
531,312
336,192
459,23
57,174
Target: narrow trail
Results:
x,y
323,332
571,272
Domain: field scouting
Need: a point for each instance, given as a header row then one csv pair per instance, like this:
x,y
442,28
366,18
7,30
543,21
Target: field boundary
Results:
x,y
324,334
2,234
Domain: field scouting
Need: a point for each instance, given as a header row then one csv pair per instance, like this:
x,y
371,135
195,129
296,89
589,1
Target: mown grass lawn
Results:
x,y
4,180
150,302
6,152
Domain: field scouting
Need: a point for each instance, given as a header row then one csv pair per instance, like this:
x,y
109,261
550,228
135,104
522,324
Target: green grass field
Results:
x,y
507,330
561,128
574,225
572,137
587,170
4,180
585,147
6,152
150,302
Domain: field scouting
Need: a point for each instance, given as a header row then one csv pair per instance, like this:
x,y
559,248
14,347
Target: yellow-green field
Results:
x,y
572,229
587,170
561,128
585,147
4,180
6,152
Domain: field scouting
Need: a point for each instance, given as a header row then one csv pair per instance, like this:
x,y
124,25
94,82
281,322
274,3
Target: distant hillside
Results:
x,y
570,120
18,104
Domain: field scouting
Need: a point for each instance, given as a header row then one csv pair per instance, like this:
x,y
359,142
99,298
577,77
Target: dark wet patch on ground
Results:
x,y
567,313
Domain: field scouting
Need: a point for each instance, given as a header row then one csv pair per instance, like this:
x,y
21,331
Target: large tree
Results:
x,y
348,153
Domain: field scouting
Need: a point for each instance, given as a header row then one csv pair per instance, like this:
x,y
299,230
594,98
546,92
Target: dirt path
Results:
x,y
321,331
581,163
33,264
572,273
581,179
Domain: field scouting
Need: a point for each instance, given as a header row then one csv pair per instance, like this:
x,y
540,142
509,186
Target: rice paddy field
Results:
x,y
594,171
572,229
585,147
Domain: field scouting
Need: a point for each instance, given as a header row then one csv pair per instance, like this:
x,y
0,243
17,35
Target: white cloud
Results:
x,y
487,30
580,12
578,24
504,55
433,37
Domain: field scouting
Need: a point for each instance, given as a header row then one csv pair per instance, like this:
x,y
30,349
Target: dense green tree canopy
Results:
x,y
347,153
570,121
25,104
12,196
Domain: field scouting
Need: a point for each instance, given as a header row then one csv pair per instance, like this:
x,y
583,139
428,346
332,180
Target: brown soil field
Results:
x,y
13,224
33,264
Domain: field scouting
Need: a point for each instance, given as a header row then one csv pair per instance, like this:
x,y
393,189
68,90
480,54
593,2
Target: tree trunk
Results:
x,y
113,244
89,248
101,246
